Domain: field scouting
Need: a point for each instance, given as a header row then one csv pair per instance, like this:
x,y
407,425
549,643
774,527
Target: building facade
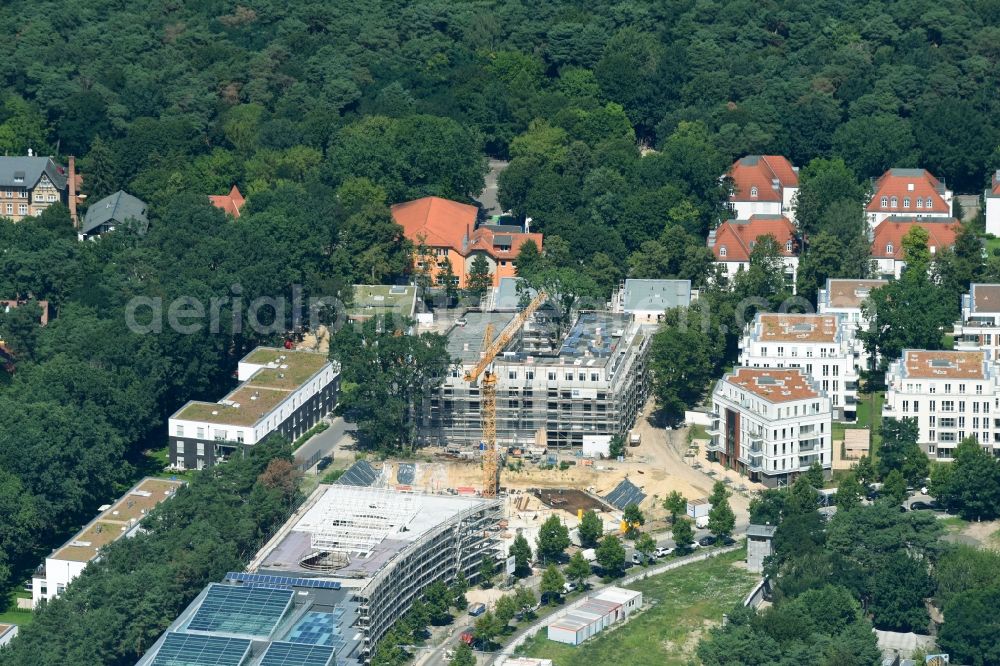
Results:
x,y
771,424
952,394
29,185
648,300
763,184
844,299
119,520
979,326
551,392
283,391
991,199
821,345
113,211
908,192
733,241
887,240
448,230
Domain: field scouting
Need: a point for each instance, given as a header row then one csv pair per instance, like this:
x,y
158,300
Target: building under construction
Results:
x,y
554,389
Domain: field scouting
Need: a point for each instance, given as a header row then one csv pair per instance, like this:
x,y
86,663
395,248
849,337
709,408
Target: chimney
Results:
x,y
72,192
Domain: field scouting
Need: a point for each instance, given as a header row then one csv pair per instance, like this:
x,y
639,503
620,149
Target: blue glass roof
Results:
x,y
314,628
282,581
198,650
247,611
294,654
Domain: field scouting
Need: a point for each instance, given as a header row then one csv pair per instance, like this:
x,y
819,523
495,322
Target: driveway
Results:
x,y
488,197
325,442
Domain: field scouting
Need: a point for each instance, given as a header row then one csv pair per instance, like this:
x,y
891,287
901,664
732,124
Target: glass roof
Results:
x,y
295,654
248,611
200,650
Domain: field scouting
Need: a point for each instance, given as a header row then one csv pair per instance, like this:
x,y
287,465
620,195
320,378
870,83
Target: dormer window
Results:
x,y
894,202
920,202
885,202
929,204
722,251
753,191
788,245
906,202
888,249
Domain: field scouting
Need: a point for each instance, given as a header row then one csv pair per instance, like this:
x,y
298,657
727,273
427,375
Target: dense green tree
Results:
x,y
721,519
525,599
505,609
822,183
520,550
487,627
849,493
675,504
900,451
894,488
480,278
553,539
611,555
683,535
633,518
487,571
463,656
578,569
645,545
551,587
970,485
590,529
970,633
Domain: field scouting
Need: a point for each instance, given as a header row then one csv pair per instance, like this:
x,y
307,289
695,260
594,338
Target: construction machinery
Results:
x,y
488,390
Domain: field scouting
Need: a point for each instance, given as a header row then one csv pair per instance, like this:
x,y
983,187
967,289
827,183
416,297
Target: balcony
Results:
x,y
806,461
756,444
756,463
809,445
713,427
714,444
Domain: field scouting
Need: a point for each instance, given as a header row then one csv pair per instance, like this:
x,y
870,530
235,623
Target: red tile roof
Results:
x,y
450,224
774,384
761,171
908,184
230,203
891,231
42,305
994,191
737,235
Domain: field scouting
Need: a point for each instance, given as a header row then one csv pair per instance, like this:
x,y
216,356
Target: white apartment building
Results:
x,y
953,394
820,344
979,327
771,424
991,197
845,298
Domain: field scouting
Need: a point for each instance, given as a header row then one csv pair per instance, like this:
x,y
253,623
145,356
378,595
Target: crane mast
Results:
x,y
488,390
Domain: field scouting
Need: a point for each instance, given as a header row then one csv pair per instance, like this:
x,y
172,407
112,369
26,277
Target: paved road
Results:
x,y
488,197
325,442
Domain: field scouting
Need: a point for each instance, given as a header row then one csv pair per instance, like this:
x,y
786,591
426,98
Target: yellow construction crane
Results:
x,y
488,390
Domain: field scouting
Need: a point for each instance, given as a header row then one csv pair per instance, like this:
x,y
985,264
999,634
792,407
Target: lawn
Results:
x,y
685,601
14,616
869,416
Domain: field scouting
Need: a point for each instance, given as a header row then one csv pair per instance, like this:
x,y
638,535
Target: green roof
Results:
x,y
378,299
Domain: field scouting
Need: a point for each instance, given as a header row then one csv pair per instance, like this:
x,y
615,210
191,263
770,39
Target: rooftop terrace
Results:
x,y
850,293
796,327
985,298
942,364
379,299
774,384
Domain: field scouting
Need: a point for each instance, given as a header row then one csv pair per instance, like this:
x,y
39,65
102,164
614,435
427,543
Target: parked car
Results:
x,y
707,540
663,552
568,587
461,321
727,540
324,462
636,558
475,610
924,506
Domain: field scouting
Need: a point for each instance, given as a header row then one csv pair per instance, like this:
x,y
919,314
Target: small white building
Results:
x,y
887,240
120,519
648,300
630,600
908,192
979,327
821,344
953,394
733,241
992,198
771,424
760,540
763,184
611,605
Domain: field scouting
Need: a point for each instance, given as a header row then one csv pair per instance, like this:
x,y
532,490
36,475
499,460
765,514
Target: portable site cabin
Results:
x,y
575,627
630,600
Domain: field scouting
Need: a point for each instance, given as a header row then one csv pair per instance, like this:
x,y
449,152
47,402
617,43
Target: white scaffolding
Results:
x,y
355,520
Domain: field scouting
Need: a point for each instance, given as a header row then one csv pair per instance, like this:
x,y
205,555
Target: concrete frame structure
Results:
x,y
771,424
550,392
383,545
283,391
953,394
822,345
121,519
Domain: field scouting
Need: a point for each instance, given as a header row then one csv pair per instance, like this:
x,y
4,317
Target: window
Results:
x,y
885,202
180,431
894,202
947,388
906,202
723,251
552,376
788,245
929,204
530,374
933,405
180,448
920,202
239,436
947,406
201,448
888,248
906,406
18,178
201,433
753,191
10,209
22,209
512,374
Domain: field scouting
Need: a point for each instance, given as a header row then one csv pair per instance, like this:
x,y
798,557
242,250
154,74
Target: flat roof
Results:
x,y
986,298
4,628
796,327
379,299
283,372
618,595
116,520
941,364
850,293
774,384
656,295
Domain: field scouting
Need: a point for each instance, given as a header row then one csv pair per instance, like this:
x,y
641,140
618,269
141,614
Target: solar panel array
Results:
x,y
625,493
197,650
406,473
234,609
265,580
360,474
295,654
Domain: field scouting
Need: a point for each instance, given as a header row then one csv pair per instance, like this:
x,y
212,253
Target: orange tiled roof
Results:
x,y
890,232
774,384
761,171
442,222
737,235
959,364
908,184
994,190
230,203
491,240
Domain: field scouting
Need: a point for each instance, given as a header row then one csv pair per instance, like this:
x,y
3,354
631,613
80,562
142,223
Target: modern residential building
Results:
x,y
450,230
844,298
733,240
553,390
30,184
991,197
979,326
953,394
821,345
384,546
378,300
887,240
763,184
230,203
908,192
282,391
123,518
648,300
771,424
111,212
251,620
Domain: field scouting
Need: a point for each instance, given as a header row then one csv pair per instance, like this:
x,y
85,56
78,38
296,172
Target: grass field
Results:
x,y
14,616
686,602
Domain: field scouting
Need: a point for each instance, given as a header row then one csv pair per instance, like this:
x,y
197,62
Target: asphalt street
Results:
x,y
325,442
